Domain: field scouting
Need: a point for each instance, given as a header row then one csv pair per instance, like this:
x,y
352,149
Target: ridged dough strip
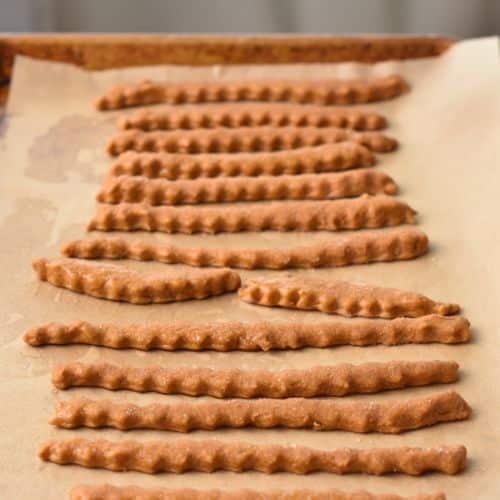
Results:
x,y
331,91
112,282
389,417
364,212
243,140
130,492
365,247
258,336
135,189
308,160
185,455
337,380
253,114
341,297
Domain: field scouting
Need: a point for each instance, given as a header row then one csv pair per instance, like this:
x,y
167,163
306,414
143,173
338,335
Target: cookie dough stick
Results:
x,y
129,492
243,140
341,297
258,336
250,115
390,417
112,282
337,380
308,160
134,189
365,247
327,91
185,455
364,212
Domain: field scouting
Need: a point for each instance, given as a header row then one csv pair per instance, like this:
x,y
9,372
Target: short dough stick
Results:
x,y
130,492
363,248
250,115
259,336
340,297
134,189
185,455
390,417
308,160
112,282
243,140
327,91
353,213
337,380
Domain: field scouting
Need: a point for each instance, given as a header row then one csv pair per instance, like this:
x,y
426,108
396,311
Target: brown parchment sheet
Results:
x,y
51,161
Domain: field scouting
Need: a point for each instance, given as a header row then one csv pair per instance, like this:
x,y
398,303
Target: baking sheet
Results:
x,y
51,157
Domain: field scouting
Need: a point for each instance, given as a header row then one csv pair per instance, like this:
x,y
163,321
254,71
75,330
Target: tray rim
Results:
x,y
106,51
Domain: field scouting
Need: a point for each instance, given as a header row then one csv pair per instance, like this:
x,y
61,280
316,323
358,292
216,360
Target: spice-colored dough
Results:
x,y
243,140
391,417
332,91
185,455
308,160
130,492
112,282
253,114
365,247
336,380
340,297
134,189
366,211
259,336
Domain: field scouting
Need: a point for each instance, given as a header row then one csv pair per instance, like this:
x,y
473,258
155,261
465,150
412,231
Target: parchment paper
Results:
x,y
51,157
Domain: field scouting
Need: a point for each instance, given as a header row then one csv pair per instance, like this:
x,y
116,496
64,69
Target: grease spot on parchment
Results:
x,y
68,150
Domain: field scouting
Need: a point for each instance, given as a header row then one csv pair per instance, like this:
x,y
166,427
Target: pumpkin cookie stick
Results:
x,y
383,246
251,115
242,140
341,297
356,213
133,189
389,417
183,455
328,91
130,492
310,160
338,380
108,281
259,336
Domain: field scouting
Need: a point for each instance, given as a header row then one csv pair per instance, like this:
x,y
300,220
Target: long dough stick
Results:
x,y
390,417
365,211
259,336
251,115
185,455
133,189
332,91
341,297
363,248
130,492
337,380
108,281
310,160
242,140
